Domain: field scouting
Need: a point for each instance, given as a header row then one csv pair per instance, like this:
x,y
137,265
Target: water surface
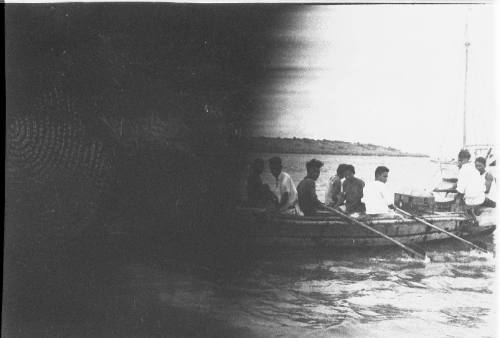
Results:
x,y
133,289
358,292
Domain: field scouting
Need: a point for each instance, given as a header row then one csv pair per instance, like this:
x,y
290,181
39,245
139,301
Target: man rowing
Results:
x,y
308,200
353,191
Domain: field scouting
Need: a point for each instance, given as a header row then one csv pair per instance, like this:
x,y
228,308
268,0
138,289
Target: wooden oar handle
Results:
x,y
423,221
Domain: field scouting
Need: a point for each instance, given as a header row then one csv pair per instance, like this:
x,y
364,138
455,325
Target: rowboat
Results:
x,y
329,230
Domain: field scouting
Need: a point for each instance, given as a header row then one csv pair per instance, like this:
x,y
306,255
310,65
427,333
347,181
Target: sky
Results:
x,y
392,75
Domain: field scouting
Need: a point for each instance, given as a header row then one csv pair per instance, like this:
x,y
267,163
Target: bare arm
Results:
x,y
340,199
488,181
460,186
312,195
337,193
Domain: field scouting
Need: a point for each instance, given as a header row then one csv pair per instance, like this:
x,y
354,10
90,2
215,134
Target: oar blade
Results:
x,y
417,248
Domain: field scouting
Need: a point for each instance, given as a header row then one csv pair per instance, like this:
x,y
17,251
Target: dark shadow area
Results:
x,y
123,145
90,290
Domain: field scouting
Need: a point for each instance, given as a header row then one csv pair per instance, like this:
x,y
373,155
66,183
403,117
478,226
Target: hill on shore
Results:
x,y
310,146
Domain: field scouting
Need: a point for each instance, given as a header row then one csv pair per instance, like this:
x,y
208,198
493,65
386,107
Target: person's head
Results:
x,y
381,174
349,171
480,164
275,166
340,170
463,157
313,168
258,166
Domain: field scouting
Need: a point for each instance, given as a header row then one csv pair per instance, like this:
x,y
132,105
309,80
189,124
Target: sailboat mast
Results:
x,y
467,44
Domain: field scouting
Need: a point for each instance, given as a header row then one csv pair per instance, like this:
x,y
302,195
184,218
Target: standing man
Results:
x,y
353,191
376,197
283,189
334,190
308,200
489,183
470,185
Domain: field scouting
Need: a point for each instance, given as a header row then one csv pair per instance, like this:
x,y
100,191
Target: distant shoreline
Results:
x,y
281,152
320,147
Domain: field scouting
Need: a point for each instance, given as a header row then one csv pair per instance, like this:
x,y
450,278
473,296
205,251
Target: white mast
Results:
x,y
467,44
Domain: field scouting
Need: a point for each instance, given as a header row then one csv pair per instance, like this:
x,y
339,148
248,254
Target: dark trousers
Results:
x,y
489,203
355,207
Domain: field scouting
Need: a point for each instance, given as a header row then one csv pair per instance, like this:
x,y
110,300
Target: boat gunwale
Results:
x,y
330,230
436,216
370,220
486,229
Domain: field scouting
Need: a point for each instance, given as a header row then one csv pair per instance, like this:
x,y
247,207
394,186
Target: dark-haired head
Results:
x,y
350,168
340,170
381,173
480,164
314,163
313,168
463,157
380,170
349,171
481,160
275,165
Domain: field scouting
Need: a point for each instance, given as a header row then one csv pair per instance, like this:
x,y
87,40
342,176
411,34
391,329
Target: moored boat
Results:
x,y
329,230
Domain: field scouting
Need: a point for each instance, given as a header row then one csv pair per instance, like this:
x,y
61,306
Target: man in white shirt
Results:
x,y
376,196
283,188
470,184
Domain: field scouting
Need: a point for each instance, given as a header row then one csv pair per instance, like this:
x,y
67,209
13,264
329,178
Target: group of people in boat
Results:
x,y
475,185
345,191
350,194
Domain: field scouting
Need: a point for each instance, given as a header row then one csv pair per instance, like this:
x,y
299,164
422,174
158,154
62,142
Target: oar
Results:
x,y
488,153
367,227
423,221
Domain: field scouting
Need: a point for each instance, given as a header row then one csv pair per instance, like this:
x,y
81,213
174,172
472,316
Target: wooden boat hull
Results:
x,y
333,231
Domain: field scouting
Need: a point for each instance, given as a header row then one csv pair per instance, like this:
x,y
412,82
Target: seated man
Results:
x,y
284,189
376,197
470,185
489,183
353,191
308,200
258,193
334,189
